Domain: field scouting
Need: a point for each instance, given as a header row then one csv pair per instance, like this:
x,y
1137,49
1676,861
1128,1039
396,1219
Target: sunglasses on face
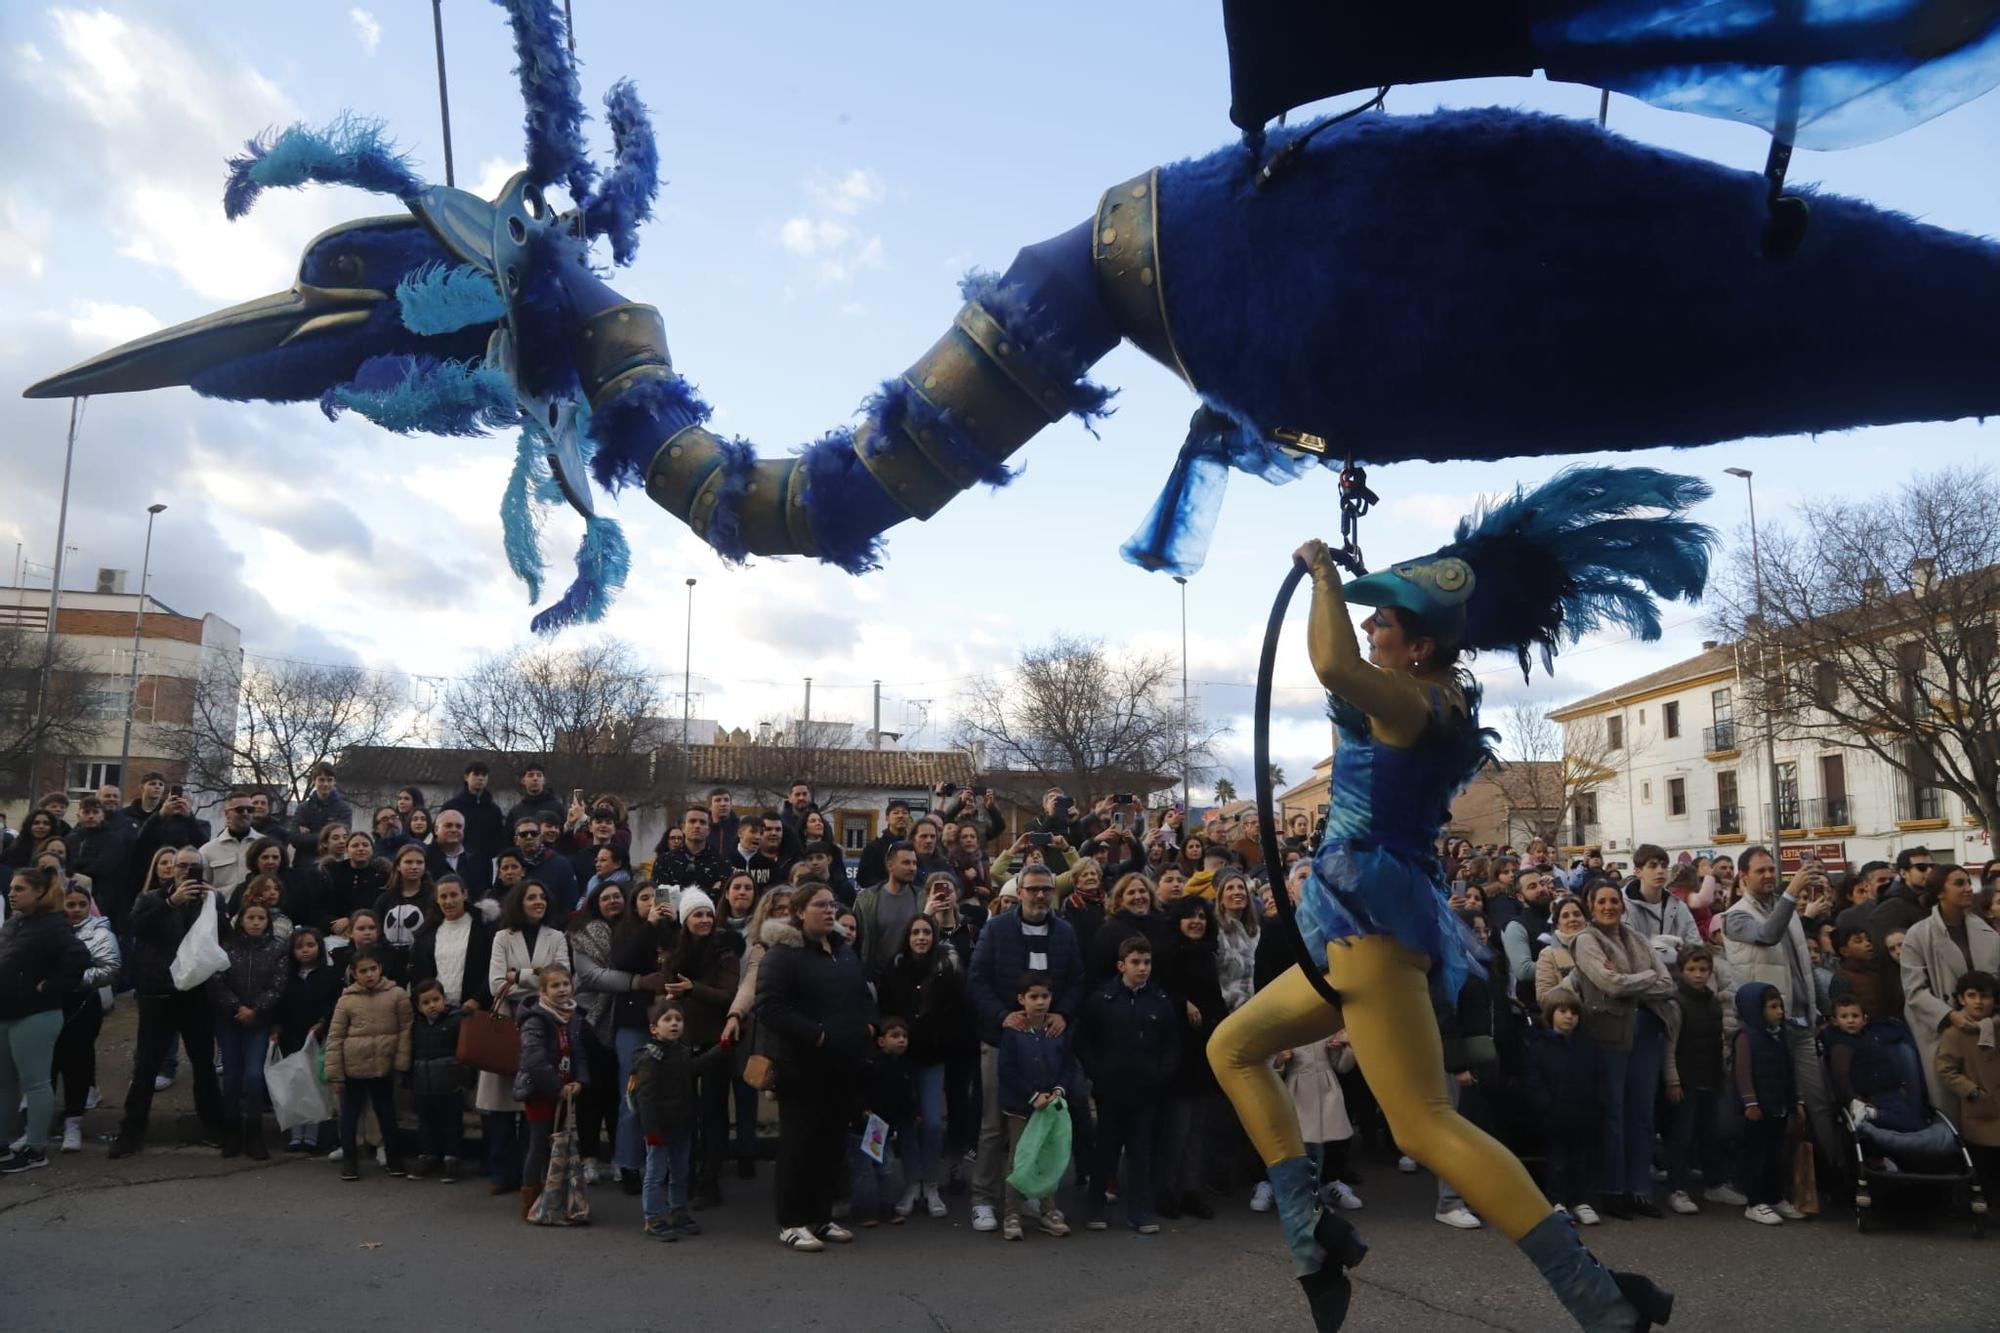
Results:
x,y
528,833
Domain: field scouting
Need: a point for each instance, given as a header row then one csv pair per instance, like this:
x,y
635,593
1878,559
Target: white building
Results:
x,y
1685,769
96,630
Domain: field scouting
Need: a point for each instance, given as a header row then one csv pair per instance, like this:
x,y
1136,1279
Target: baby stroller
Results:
x,y
1904,1143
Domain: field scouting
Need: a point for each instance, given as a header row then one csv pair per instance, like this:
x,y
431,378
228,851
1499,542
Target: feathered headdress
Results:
x,y
1578,552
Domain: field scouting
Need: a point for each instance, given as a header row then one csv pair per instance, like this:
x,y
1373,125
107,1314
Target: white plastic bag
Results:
x,y
298,1098
201,955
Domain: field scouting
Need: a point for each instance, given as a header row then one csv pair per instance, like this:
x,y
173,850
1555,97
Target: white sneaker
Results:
x,y
589,1171
1859,1111
933,1201
1261,1197
983,1218
333,1156
800,1238
1407,1165
91,1101
73,1134
161,1082
382,1155
1460,1217
835,1233
1659,1174
1681,1203
1761,1214
908,1203
1349,1200
1786,1210
1723,1194
1585,1215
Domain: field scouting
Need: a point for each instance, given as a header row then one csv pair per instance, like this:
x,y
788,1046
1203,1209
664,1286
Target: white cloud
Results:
x,y
110,324
494,173
24,237
366,28
808,237
848,193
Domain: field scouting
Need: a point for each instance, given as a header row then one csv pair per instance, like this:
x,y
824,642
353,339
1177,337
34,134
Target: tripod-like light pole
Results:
x,y
1186,725
1764,623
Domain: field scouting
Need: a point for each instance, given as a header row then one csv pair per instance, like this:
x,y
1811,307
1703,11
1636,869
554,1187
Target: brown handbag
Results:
x,y
490,1041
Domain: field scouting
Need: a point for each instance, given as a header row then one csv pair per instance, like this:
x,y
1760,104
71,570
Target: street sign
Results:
x,y
1831,855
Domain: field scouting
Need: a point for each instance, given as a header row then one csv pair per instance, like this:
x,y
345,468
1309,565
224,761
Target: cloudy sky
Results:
x,y
829,178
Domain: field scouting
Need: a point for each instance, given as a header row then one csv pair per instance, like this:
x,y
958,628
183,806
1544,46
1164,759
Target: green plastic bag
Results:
x,y
1042,1155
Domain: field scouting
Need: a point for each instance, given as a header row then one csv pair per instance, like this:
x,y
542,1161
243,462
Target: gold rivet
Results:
x,y
750,489
674,452
1005,349
624,317
930,381
1110,236
587,333
1138,191
1145,277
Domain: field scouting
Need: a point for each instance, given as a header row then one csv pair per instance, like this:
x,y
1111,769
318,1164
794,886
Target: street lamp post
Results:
x,y
687,696
1764,624
138,629
1186,723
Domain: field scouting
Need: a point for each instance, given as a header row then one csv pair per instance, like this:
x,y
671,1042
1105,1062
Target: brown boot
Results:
x,y
529,1193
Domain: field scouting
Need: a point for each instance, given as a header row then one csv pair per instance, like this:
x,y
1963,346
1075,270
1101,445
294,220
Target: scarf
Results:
x,y
563,1012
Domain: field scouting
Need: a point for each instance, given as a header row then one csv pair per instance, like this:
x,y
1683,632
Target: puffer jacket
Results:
x,y
42,963
105,960
551,1052
434,1067
259,967
370,1036
663,1084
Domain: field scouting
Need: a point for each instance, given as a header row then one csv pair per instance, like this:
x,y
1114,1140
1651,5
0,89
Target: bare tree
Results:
x,y
1551,766
1071,714
1879,634
267,723
46,706
558,703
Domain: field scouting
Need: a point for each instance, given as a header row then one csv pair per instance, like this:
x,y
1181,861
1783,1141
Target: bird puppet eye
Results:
x,y
346,268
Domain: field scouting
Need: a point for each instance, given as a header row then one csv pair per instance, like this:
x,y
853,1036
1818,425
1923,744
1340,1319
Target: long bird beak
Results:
x,y
177,355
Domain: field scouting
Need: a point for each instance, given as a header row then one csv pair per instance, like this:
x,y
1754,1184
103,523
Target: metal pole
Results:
x,y
444,95
1764,622
687,694
806,724
138,629
878,715
55,597
1186,801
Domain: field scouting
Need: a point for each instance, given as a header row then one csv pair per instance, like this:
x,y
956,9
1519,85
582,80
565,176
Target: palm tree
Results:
x,y
1225,791
1277,777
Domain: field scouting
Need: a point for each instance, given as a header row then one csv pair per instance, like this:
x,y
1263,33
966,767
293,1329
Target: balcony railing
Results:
x,y
1789,812
1829,811
1725,821
1921,803
1583,835
1719,738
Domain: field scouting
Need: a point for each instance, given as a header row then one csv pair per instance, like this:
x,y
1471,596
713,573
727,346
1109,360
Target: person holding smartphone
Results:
x,y
168,1016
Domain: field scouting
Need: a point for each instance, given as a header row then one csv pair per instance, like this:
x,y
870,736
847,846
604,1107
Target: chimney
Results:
x,y
1710,645
111,580
1874,588
1922,571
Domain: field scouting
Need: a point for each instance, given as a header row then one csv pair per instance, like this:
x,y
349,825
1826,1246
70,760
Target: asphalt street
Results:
x,y
178,1238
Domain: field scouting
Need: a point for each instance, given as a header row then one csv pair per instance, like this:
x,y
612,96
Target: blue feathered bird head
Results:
x,y
1589,548
403,319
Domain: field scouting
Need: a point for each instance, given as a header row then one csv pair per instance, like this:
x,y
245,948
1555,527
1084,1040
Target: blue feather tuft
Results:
x,y
846,507
351,151
413,394
440,298
520,509
725,524
1045,350
898,406
552,95
1574,555
630,428
602,562
625,198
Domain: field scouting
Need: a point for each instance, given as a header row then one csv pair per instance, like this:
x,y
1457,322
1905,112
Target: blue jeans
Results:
x,y
243,1051
923,1146
1909,1146
1631,1081
870,1182
664,1186
629,1153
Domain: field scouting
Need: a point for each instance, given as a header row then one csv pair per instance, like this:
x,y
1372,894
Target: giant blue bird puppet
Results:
x,y
1462,285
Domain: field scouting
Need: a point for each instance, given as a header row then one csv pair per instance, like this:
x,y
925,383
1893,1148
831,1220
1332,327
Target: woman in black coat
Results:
x,y
1132,914
41,964
925,987
819,1020
1185,968
453,917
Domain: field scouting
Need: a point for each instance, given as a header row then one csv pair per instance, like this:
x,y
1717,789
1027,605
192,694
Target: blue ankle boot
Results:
x,y
1323,1244
1599,1300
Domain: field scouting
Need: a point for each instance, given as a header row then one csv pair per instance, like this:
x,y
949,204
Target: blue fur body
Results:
x,y
1491,284
410,394
625,197
553,97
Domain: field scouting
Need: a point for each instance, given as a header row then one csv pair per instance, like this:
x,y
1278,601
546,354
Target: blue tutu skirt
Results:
x,y
1367,889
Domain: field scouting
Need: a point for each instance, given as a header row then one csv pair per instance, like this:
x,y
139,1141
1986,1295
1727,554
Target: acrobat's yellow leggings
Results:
x,y
1386,1010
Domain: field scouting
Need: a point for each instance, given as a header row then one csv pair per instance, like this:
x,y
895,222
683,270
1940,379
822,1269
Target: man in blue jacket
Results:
x,y
1033,939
